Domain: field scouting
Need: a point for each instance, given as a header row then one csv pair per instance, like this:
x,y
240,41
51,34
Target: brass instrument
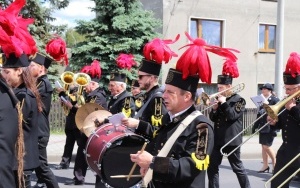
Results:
x,y
82,80
206,99
272,111
67,78
280,171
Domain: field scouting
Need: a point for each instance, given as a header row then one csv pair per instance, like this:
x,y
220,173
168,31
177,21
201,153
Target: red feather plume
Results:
x,y
293,65
195,59
158,50
230,68
14,34
125,61
57,49
94,70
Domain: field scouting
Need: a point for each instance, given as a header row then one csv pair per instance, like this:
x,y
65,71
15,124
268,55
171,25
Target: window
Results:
x,y
267,34
209,30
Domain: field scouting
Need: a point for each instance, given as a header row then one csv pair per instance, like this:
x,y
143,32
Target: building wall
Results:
x,y
242,19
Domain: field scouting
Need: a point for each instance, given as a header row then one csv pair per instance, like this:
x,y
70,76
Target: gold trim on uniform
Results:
x,y
126,109
200,156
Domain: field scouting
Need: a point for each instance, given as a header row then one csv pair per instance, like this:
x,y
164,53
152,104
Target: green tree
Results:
x,y
73,37
120,26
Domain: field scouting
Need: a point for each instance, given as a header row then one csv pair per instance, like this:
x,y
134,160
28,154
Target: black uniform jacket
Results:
x,y
30,126
178,169
289,123
263,120
45,90
228,121
145,124
100,96
117,103
8,135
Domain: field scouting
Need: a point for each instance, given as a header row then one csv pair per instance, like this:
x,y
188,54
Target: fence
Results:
x,y
57,117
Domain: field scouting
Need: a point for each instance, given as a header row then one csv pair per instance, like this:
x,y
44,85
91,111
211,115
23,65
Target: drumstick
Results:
x,y
134,165
125,176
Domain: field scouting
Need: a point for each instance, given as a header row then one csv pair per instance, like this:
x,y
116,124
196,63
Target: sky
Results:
x,y
77,10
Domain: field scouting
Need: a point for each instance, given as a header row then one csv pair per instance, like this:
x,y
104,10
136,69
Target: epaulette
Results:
x,y
200,156
157,116
126,108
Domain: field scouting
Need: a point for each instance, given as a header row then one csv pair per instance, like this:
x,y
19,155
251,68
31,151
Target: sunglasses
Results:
x,y
141,76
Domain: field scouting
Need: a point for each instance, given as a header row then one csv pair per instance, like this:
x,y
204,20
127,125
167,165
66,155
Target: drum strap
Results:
x,y
170,142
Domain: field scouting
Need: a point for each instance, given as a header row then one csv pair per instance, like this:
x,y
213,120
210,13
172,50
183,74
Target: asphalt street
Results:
x,y
227,177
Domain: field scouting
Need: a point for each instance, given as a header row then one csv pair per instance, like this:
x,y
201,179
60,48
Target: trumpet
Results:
x,y
82,80
272,111
282,169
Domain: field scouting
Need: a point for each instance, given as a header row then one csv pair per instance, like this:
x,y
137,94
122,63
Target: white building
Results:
x,y
246,25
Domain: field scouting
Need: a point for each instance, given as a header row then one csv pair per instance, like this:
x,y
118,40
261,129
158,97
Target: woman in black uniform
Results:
x,y
267,134
16,73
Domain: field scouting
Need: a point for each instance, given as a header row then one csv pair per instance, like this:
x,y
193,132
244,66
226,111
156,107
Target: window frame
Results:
x,y
199,27
266,38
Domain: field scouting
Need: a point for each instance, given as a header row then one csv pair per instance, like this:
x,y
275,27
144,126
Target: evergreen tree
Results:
x,y
120,26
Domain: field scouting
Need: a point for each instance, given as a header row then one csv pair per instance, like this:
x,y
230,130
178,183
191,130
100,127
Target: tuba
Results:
x,y
82,80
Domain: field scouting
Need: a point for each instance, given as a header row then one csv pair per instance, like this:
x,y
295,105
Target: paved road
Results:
x,y
250,152
227,177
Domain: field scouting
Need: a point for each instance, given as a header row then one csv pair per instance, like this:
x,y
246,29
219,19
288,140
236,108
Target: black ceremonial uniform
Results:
x,y
97,96
43,172
8,135
227,124
289,123
266,134
178,169
30,129
124,101
154,111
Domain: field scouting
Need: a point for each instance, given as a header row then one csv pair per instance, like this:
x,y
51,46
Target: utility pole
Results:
x,y
279,49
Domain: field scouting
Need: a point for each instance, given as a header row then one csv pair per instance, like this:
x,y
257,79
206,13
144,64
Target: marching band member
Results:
x,y
289,123
267,134
17,44
227,117
149,116
93,94
120,99
71,130
184,164
38,69
9,132
16,73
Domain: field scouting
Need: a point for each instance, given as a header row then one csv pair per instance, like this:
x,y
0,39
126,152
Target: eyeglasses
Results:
x,y
141,76
290,89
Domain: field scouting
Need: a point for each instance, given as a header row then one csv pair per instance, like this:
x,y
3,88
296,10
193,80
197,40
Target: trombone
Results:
x,y
206,99
280,171
272,111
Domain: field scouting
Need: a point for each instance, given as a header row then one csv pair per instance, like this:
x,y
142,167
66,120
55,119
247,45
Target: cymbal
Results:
x,y
84,111
89,122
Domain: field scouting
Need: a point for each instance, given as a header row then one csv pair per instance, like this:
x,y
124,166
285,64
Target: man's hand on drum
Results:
x,y
143,159
130,122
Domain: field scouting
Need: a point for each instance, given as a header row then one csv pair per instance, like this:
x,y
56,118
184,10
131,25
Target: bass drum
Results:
x,y
108,152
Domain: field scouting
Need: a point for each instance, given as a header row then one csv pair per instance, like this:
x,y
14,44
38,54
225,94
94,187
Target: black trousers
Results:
x,y
81,165
27,178
43,172
281,160
235,163
72,136
99,183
